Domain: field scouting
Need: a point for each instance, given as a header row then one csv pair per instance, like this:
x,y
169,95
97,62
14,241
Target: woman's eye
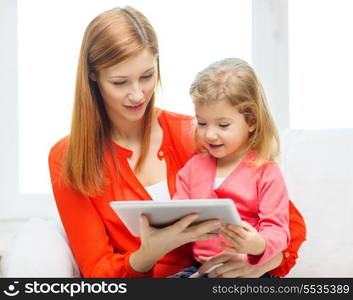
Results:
x,y
224,125
119,82
201,123
147,76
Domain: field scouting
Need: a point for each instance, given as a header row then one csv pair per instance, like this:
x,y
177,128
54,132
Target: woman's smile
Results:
x,y
135,107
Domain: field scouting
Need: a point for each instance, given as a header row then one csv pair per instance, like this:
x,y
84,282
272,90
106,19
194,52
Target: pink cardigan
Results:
x,y
260,195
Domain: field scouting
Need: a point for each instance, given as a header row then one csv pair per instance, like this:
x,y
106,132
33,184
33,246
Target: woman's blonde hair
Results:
x,y
233,80
111,38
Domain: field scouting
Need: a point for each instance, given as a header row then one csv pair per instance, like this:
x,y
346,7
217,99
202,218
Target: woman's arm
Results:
x,y
297,237
84,227
155,243
90,242
236,265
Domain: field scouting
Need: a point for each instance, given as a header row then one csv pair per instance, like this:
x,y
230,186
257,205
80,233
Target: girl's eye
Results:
x,y
201,123
224,125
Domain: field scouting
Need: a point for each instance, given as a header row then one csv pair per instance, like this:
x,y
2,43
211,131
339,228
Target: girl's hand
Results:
x,y
236,265
156,243
244,239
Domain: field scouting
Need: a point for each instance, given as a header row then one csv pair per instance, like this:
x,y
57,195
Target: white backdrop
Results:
x,y
191,35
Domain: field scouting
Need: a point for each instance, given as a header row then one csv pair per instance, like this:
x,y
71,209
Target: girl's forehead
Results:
x,y
220,109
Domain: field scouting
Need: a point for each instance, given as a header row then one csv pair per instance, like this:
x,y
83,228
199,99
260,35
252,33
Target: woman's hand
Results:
x,y
237,266
244,239
155,243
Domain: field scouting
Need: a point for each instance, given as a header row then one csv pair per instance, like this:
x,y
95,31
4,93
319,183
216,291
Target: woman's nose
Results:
x,y
136,94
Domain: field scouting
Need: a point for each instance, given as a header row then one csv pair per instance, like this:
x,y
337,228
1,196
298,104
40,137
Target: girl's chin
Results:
x,y
216,154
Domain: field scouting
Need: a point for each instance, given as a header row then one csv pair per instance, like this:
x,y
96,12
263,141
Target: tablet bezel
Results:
x,y
164,213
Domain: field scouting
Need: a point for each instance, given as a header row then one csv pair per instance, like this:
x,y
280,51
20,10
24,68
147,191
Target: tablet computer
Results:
x,y
164,213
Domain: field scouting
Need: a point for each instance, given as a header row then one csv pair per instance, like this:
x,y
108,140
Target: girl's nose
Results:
x,y
211,135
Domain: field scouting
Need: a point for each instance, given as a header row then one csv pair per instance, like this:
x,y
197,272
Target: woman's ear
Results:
x,y
93,76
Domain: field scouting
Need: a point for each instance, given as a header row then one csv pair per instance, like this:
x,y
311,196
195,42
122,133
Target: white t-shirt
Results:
x,y
217,182
159,191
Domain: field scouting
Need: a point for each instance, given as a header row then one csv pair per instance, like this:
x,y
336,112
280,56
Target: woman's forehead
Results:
x,y
138,64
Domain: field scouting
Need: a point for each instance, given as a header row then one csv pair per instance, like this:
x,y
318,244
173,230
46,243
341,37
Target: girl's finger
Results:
x,y
230,240
229,249
206,236
232,229
248,227
231,235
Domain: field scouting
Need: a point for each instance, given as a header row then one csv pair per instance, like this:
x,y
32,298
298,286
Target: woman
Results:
x,y
122,148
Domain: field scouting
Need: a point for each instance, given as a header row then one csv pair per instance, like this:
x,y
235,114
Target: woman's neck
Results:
x,y
131,133
128,132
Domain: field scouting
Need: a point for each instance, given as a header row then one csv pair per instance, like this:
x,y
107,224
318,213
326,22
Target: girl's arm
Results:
x,y
237,265
273,203
182,183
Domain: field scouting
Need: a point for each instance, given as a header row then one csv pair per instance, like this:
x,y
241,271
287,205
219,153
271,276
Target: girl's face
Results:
x,y
127,87
222,130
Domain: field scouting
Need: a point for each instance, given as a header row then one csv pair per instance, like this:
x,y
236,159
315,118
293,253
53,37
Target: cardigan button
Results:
x,y
161,153
286,254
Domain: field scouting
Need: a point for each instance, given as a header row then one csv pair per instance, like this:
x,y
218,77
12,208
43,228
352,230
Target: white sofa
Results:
x,y
318,167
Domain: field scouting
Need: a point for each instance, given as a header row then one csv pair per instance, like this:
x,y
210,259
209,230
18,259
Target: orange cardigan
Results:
x,y
100,242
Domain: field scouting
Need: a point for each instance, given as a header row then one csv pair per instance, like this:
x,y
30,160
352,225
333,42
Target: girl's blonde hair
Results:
x,y
233,80
111,38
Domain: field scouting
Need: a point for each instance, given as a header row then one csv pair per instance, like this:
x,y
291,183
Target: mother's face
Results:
x,y
127,87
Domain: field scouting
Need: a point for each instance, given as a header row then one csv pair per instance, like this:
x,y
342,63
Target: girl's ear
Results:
x,y
93,76
252,124
252,128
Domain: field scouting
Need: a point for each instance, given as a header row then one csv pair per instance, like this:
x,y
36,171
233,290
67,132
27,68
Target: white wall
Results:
x,y
19,139
13,204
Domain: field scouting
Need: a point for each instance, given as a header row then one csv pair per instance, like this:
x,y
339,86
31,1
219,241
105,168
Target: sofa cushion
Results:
x,y
39,249
318,168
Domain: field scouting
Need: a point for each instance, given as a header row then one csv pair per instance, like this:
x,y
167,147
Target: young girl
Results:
x,y
240,142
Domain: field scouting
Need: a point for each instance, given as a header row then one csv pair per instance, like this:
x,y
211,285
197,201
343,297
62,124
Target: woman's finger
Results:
x,y
234,266
196,232
184,222
231,274
220,271
144,224
213,261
